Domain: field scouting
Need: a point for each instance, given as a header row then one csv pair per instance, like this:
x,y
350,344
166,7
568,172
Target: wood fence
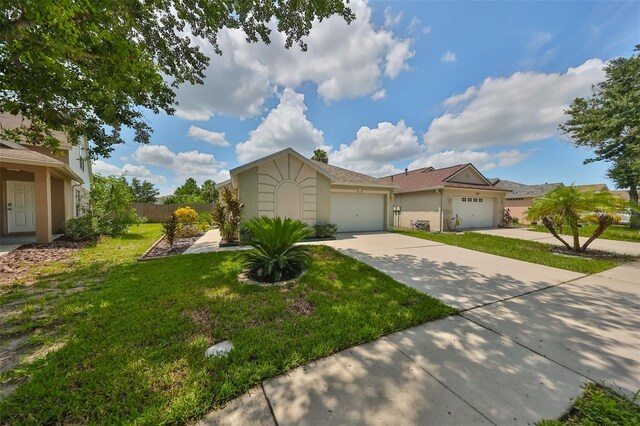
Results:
x,y
157,213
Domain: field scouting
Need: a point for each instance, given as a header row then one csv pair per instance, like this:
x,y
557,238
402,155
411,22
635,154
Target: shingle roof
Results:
x,y
428,177
349,176
12,121
593,187
28,156
624,194
520,190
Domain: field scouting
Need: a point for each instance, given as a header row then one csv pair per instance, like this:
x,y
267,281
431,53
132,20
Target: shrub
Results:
x,y
80,229
326,230
110,205
227,214
186,215
245,235
205,220
171,228
274,256
507,218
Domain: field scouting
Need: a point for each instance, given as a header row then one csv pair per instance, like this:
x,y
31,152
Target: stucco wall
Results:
x,y
424,205
248,192
518,208
323,199
57,204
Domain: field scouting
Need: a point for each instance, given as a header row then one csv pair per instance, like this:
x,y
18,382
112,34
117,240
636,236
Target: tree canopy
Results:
x,y
321,156
609,123
89,69
191,193
143,191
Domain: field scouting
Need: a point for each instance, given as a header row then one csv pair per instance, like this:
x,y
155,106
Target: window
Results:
x,y
464,199
479,200
78,204
475,200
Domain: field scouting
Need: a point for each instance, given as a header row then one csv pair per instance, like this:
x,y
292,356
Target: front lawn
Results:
x,y
127,344
613,232
529,251
600,406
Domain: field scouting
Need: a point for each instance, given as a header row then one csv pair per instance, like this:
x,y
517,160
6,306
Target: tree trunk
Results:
x,y
549,225
603,223
634,222
575,232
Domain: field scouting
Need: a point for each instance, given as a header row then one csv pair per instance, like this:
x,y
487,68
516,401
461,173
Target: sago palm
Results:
x,y
274,256
569,206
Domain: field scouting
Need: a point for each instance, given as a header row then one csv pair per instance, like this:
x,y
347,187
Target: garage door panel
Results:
x,y
474,212
357,212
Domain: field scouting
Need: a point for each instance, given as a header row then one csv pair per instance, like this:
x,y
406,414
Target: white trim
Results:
x,y
275,155
465,168
12,145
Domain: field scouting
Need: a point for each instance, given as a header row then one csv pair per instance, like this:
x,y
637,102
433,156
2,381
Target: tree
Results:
x,y
567,205
143,192
209,191
110,205
321,156
609,122
89,69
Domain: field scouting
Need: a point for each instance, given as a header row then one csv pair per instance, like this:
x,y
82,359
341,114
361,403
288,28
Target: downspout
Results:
x,y
440,210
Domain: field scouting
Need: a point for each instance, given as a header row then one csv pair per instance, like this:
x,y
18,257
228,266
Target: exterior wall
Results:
x,y
468,175
450,193
388,199
423,205
57,204
323,199
79,162
248,193
518,207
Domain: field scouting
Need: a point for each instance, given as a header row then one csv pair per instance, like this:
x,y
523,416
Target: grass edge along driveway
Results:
x,y
528,251
613,232
134,345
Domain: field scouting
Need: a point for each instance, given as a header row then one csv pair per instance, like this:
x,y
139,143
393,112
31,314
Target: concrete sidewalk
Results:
x,y
511,362
613,246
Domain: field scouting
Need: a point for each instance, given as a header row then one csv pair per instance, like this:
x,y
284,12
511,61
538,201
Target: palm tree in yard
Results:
x,y
569,206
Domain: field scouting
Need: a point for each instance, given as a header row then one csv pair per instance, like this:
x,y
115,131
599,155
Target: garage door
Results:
x,y
474,212
357,212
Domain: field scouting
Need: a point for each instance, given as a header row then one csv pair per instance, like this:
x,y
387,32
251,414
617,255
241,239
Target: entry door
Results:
x,y
21,206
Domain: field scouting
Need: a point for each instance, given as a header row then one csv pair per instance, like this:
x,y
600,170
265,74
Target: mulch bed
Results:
x,y
18,262
162,248
591,254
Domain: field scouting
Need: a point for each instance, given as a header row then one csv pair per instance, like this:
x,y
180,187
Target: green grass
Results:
x,y
600,406
529,251
613,232
136,336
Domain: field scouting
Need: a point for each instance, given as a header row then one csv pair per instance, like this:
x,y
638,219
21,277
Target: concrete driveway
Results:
x,y
462,278
620,247
529,338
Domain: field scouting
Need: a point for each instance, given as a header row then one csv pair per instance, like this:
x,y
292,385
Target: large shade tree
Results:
x,y
90,68
569,206
143,191
609,123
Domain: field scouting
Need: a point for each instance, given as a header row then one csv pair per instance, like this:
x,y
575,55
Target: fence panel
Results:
x,y
157,213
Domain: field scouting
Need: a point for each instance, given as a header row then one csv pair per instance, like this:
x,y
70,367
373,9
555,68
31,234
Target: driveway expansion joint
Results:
x,y
264,394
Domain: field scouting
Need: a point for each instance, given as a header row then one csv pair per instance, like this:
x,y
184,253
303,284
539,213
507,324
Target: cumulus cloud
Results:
x,y
285,126
416,27
449,56
213,138
198,165
343,61
128,170
482,160
374,150
391,20
380,94
524,107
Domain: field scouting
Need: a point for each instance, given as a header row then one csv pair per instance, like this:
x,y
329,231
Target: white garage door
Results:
x,y
357,212
474,212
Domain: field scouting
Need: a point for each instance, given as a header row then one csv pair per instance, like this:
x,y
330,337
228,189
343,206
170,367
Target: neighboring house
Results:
x,y
287,184
521,196
624,194
593,187
440,195
40,189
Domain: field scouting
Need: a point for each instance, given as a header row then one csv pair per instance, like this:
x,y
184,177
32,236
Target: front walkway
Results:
x,y
613,246
514,356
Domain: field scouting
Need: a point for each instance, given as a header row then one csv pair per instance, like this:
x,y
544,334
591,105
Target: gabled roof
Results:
x,y
12,121
430,178
337,175
593,187
521,190
33,158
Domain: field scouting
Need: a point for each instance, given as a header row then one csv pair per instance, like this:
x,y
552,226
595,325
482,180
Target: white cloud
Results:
x,y
415,26
523,107
344,61
391,20
539,39
380,94
373,150
426,29
285,126
195,164
449,56
213,138
482,160
128,170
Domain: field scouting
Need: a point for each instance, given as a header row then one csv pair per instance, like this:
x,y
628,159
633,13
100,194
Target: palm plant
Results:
x,y
274,256
569,206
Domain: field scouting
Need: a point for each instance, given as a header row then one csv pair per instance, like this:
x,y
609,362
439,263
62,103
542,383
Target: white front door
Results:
x,y
474,212
357,212
21,206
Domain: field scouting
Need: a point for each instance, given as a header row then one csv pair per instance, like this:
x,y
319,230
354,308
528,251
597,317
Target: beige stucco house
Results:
x,y
522,195
287,184
40,189
440,195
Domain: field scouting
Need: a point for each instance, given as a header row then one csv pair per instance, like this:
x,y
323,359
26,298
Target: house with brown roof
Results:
x,y
445,197
40,189
522,195
287,184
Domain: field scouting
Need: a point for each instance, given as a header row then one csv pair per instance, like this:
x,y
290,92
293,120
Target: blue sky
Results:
x,y
407,84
